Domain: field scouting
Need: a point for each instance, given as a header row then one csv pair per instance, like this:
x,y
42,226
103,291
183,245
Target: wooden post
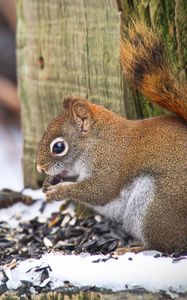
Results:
x,y
67,47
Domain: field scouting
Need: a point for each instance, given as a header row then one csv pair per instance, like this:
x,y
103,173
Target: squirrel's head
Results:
x,y
64,141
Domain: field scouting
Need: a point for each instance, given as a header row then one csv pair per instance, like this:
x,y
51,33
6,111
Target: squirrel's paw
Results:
x,y
45,186
53,192
50,181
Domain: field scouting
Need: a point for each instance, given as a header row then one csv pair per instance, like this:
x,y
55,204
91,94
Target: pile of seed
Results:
x,y
65,231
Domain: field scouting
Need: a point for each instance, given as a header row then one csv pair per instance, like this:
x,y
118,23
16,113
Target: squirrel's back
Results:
x,y
145,66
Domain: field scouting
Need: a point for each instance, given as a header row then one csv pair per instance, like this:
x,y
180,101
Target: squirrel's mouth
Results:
x,y
68,176
64,176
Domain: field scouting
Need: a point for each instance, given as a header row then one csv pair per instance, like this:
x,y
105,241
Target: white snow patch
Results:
x,y
142,270
19,212
11,175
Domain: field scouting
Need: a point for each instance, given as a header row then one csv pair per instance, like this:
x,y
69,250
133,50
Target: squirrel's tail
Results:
x,y
145,66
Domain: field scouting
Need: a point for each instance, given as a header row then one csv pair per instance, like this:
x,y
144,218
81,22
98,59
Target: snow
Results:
x,y
127,271
141,270
10,158
19,212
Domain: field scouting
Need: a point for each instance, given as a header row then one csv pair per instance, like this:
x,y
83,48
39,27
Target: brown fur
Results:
x,y
145,66
117,151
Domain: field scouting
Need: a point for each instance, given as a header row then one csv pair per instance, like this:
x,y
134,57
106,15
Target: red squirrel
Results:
x,y
134,172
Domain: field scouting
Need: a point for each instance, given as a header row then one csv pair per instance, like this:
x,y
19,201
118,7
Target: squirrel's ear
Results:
x,y
68,102
80,111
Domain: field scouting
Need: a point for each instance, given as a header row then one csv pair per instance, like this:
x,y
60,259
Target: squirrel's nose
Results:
x,y
39,168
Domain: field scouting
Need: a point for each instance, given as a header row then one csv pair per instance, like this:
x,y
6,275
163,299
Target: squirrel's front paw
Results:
x,y
51,181
45,185
54,192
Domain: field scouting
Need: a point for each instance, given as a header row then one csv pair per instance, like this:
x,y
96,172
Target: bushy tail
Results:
x,y
145,66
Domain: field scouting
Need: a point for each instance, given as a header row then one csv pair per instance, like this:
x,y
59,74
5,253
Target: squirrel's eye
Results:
x,y
59,147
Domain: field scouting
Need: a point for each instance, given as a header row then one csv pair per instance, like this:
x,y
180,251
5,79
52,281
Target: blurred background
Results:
x,y
10,132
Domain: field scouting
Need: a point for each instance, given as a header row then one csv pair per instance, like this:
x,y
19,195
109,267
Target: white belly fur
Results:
x,y
131,205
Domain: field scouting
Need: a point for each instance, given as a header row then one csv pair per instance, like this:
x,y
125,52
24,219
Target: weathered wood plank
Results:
x,y
64,48
143,295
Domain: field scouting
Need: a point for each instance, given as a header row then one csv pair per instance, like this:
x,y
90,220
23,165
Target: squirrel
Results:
x,y
131,171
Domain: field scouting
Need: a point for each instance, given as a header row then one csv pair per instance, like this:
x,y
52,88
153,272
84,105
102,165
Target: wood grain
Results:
x,y
64,48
